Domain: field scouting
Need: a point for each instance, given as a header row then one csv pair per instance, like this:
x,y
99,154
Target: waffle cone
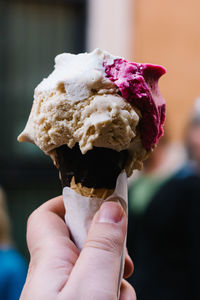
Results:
x,y
101,193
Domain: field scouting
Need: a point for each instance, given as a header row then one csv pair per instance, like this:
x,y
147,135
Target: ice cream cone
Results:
x,y
96,115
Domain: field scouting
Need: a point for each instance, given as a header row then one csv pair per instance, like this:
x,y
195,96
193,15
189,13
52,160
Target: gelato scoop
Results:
x,y
97,100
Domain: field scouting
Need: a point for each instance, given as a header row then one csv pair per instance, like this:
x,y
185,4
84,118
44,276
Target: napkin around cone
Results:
x,y
80,211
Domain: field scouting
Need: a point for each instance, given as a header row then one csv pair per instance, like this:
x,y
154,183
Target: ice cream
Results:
x,y
97,100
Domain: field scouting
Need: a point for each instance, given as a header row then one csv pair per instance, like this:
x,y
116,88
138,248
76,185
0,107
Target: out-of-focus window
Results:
x,y
32,33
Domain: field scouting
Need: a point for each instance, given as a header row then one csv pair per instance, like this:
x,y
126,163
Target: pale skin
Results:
x,y
58,271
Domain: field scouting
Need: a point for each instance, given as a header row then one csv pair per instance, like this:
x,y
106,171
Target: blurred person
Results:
x,y
192,143
13,268
157,169
58,270
164,226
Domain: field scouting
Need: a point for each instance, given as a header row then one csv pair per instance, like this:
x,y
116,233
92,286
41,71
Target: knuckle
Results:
x,y
108,243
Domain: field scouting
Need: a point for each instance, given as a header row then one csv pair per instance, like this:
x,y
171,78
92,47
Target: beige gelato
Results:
x,y
78,104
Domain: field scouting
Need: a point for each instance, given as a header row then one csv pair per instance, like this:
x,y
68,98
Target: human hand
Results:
x,y
58,271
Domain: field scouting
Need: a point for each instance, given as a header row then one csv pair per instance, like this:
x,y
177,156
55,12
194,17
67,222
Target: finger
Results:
x,y
128,266
46,223
127,292
98,265
53,254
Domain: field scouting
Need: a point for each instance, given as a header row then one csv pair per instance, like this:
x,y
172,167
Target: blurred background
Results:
x,y
33,32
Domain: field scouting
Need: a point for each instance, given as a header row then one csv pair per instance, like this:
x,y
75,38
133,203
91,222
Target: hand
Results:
x,y
57,270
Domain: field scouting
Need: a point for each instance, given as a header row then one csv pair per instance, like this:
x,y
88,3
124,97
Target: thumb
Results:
x,y
98,265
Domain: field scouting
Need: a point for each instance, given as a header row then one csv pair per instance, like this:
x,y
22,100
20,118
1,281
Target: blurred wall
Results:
x,y
110,26
168,33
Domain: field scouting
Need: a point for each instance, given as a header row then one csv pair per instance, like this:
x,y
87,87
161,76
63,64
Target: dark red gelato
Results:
x,y
138,84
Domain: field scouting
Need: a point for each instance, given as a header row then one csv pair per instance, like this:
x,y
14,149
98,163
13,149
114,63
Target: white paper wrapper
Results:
x,y
80,211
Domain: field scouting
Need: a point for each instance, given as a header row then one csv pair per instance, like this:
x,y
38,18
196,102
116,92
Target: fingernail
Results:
x,y
110,212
